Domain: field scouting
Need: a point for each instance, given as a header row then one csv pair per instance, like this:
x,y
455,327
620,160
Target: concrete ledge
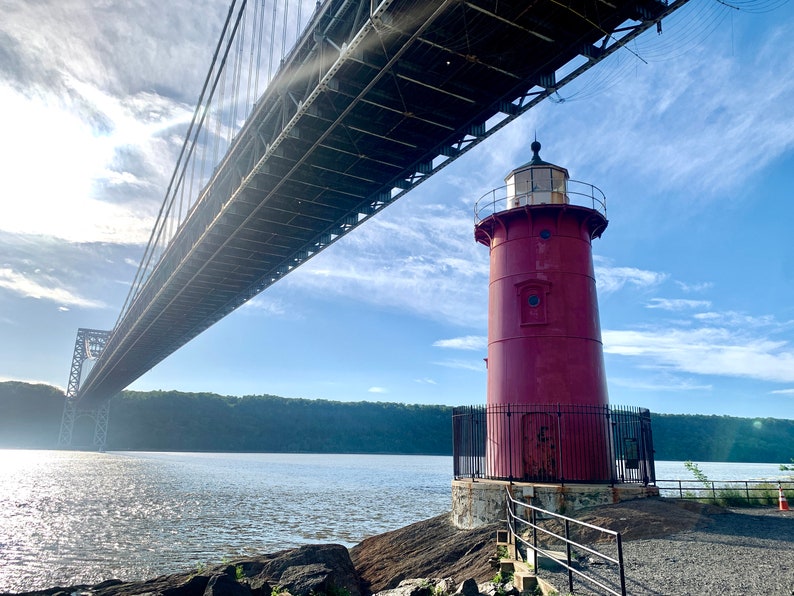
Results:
x,y
479,502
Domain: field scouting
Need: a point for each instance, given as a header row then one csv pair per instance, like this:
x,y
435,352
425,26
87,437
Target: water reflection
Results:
x,y
72,517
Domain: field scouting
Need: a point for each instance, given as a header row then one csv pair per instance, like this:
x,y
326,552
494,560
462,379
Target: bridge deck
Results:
x,y
373,99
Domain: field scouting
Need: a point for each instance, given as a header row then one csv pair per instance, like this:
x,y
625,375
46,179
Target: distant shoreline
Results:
x,y
209,423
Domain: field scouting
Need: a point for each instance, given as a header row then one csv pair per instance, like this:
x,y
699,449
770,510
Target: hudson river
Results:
x,y
75,517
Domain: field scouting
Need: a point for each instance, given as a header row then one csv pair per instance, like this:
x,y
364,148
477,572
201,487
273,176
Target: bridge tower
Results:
x,y
88,346
544,338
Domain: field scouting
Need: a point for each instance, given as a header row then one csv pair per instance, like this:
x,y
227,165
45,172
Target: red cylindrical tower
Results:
x,y
544,336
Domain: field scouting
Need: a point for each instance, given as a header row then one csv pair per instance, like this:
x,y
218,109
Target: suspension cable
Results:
x,y
147,255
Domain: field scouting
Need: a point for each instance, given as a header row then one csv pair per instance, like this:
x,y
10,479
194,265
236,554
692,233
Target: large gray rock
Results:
x,y
420,587
468,588
315,578
314,568
224,584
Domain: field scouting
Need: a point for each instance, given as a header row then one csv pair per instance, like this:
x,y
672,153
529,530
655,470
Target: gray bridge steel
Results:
x,y
374,98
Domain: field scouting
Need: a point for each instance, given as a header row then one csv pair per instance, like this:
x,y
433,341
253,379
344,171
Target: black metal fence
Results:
x,y
553,443
731,493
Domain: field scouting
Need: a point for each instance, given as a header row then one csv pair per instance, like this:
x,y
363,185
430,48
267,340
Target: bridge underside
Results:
x,y
374,98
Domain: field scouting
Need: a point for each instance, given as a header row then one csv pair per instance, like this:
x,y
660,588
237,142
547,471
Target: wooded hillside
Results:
x,y
30,417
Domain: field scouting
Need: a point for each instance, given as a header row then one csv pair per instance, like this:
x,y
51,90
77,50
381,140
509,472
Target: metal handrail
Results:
x,y
714,490
577,193
513,520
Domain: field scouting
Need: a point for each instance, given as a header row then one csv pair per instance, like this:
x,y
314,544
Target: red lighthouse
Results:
x,y
544,338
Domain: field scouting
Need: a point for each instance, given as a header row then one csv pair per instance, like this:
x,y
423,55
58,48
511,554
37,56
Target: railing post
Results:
x,y
620,565
534,517
562,447
510,442
568,555
471,439
610,439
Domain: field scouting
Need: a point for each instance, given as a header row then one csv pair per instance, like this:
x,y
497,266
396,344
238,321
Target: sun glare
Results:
x,y
53,159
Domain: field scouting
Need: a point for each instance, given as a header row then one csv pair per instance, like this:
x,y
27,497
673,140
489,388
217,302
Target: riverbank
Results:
x,y
670,547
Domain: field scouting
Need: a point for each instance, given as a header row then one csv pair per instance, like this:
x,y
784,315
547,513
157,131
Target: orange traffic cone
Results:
x,y
783,502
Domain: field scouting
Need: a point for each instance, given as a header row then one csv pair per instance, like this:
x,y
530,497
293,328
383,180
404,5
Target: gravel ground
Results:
x,y
738,552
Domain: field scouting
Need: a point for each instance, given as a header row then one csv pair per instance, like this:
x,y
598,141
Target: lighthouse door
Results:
x,y
540,441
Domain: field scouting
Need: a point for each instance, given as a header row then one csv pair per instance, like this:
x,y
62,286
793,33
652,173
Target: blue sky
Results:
x,y
693,145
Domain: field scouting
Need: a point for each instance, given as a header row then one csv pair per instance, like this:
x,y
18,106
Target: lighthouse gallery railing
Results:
x,y
521,435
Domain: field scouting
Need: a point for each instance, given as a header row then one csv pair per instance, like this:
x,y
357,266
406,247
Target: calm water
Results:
x,y
71,517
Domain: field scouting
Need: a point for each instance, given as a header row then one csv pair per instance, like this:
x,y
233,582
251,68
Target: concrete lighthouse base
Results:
x,y
478,502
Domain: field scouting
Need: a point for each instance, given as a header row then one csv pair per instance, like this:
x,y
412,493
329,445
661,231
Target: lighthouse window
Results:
x,y
533,301
545,234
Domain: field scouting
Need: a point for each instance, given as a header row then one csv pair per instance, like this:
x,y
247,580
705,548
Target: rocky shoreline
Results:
x,y
672,547
431,547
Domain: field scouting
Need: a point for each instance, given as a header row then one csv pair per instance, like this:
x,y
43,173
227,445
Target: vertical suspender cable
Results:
x,y
236,72
219,111
137,281
259,51
284,32
254,18
272,41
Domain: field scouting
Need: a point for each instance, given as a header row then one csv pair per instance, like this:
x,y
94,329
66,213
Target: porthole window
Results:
x,y
545,234
533,300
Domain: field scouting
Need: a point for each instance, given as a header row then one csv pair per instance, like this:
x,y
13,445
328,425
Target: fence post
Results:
x,y
568,555
561,450
510,442
533,515
610,439
620,565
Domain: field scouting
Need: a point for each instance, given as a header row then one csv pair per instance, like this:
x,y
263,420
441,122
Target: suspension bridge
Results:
x,y
361,101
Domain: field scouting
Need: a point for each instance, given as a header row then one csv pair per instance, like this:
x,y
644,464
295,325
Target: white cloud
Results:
x,y
662,385
694,288
474,365
45,288
416,258
677,304
706,351
611,279
783,392
467,342
267,305
377,390
426,381
737,319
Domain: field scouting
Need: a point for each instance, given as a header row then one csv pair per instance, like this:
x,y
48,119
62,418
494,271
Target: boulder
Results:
x,y
430,548
420,587
223,584
468,588
315,578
